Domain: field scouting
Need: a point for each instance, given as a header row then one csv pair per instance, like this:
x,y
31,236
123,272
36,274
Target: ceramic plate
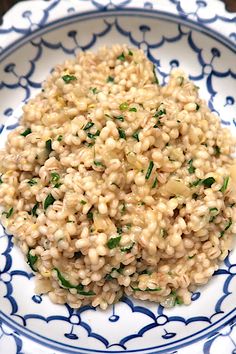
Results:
x,y
199,36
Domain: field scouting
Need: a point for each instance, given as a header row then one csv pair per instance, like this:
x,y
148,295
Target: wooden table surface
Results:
x,y
6,4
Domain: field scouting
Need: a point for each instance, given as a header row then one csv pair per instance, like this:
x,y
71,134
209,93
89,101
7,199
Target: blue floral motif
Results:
x,y
215,325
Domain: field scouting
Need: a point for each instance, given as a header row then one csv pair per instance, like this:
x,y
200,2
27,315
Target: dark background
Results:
x,y
6,4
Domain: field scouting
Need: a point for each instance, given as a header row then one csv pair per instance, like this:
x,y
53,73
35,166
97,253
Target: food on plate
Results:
x,y
113,184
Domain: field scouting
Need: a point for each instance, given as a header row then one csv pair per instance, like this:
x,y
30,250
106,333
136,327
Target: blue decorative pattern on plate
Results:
x,y
172,33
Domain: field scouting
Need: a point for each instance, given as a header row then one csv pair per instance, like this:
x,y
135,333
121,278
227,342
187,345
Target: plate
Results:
x,y
199,36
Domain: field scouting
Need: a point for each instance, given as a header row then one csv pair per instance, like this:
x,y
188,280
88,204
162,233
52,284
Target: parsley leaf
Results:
x,y
31,260
26,132
113,242
48,201
68,78
149,170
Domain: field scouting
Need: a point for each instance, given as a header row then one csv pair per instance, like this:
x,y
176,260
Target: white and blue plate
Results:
x,y
199,36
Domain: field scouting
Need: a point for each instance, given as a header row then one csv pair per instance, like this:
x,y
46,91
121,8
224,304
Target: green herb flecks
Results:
x,y
67,285
133,109
217,151
94,90
90,215
195,183
124,106
26,132
83,202
113,242
130,52
32,182
156,81
149,170
98,163
48,145
8,213
128,248
88,126
155,183
213,213
122,134
60,137
1,181
135,135
121,57
191,168
55,177
34,209
68,78
163,233
93,136
147,289
120,118
48,201
227,226
31,260
225,184
110,79
160,113
197,106
208,182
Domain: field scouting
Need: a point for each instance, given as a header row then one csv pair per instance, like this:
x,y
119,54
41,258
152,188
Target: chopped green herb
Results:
x,y
130,52
93,136
191,168
156,81
217,150
163,233
135,135
110,79
155,183
227,226
124,106
48,201
55,177
90,215
190,257
113,242
32,182
133,109
180,80
160,113
195,196
225,184
60,138
232,205
149,170
195,183
67,285
197,106
48,145
127,249
146,271
213,210
68,78
123,209
119,230
88,126
83,202
94,90
121,118
178,301
108,277
121,57
207,182
31,260
98,163
26,132
34,209
128,226
158,124
8,213
57,185
1,181
147,289
122,134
